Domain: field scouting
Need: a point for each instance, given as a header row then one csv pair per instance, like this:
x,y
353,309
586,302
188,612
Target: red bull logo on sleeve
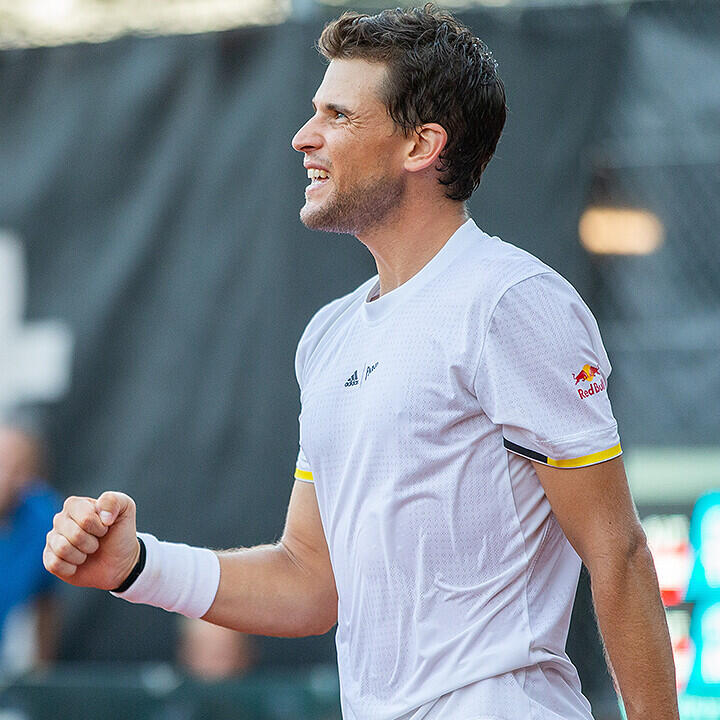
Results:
x,y
587,375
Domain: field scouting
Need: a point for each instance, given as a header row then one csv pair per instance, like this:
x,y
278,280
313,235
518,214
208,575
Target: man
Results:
x,y
27,506
456,439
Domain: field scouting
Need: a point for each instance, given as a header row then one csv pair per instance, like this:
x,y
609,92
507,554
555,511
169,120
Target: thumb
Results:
x,y
112,505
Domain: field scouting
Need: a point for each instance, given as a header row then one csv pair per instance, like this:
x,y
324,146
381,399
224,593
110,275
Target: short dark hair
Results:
x,y
437,71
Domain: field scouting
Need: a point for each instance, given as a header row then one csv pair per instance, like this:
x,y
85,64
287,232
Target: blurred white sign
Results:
x,y
54,22
710,549
668,537
35,358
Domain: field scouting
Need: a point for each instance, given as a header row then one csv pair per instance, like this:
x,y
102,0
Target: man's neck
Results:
x,y
404,245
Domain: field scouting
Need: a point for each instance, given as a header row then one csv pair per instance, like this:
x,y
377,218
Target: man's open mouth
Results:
x,y
318,176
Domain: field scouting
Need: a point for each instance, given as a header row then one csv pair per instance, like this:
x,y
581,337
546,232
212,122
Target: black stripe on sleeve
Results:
x,y
525,452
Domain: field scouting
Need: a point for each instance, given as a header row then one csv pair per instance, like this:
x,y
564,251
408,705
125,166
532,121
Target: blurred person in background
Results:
x,y
458,451
28,609
211,652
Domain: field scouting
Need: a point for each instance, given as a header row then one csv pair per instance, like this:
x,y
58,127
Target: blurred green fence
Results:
x,y
158,692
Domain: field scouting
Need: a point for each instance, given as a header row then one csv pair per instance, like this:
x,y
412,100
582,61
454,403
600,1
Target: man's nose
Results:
x,y
306,138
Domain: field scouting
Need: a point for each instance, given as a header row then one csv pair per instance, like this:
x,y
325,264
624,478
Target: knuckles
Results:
x,y
82,512
69,501
53,563
57,542
61,547
92,545
65,542
87,521
64,547
75,536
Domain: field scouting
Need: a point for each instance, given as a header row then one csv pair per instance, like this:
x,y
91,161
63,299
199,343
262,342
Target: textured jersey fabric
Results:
x,y
420,410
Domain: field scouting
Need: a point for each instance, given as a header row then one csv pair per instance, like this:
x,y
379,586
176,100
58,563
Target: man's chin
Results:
x,y
316,219
356,211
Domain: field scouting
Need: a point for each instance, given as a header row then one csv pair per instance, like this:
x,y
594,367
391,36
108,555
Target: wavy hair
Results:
x,y
437,71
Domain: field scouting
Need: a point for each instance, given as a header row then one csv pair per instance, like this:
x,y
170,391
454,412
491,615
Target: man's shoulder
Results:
x,y
491,266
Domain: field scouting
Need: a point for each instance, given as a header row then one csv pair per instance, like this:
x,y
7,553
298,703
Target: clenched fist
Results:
x,y
93,543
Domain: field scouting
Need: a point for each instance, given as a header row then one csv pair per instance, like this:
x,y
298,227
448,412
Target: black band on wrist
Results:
x,y
135,572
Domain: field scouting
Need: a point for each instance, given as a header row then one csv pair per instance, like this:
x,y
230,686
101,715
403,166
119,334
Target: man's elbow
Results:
x,y
621,554
317,619
317,607
320,628
325,611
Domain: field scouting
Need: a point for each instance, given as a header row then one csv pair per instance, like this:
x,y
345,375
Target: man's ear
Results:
x,y
428,142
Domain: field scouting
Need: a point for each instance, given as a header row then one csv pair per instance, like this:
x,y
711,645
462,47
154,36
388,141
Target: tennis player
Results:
x,y
458,453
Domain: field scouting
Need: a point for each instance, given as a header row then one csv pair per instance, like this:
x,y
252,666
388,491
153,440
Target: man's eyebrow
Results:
x,y
333,107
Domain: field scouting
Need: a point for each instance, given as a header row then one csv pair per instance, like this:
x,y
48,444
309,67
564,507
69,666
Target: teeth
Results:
x,y
316,174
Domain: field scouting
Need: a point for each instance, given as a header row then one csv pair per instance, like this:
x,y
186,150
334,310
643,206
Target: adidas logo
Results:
x,y
352,380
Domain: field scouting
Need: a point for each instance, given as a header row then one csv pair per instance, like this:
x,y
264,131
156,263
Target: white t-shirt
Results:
x,y
419,411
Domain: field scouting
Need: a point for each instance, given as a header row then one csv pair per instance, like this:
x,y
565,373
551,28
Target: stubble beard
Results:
x,y
357,210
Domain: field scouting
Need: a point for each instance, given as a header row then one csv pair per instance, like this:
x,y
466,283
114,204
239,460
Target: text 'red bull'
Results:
x,y
587,374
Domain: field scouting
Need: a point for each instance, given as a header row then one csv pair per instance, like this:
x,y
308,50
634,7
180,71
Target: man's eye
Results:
x,y
339,115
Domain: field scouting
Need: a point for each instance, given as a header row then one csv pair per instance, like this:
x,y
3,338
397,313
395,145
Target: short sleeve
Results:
x,y
302,468
543,375
302,465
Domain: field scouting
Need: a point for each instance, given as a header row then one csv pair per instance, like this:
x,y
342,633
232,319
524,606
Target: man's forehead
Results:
x,y
349,82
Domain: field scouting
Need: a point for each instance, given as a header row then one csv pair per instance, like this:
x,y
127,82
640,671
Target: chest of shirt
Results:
x,y
395,384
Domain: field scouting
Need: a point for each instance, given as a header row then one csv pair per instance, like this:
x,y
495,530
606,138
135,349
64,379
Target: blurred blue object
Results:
x,y
22,539
705,539
704,591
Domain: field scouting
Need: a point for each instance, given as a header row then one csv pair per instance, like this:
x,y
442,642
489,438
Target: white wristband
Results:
x,y
178,578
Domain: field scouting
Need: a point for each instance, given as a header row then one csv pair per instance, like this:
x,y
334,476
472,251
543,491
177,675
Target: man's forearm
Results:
x,y
266,590
634,629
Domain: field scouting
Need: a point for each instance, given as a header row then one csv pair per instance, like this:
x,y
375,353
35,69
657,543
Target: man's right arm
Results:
x,y
286,589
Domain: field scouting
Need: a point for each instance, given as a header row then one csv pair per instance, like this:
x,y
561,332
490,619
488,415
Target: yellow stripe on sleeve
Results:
x,y
303,475
587,459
